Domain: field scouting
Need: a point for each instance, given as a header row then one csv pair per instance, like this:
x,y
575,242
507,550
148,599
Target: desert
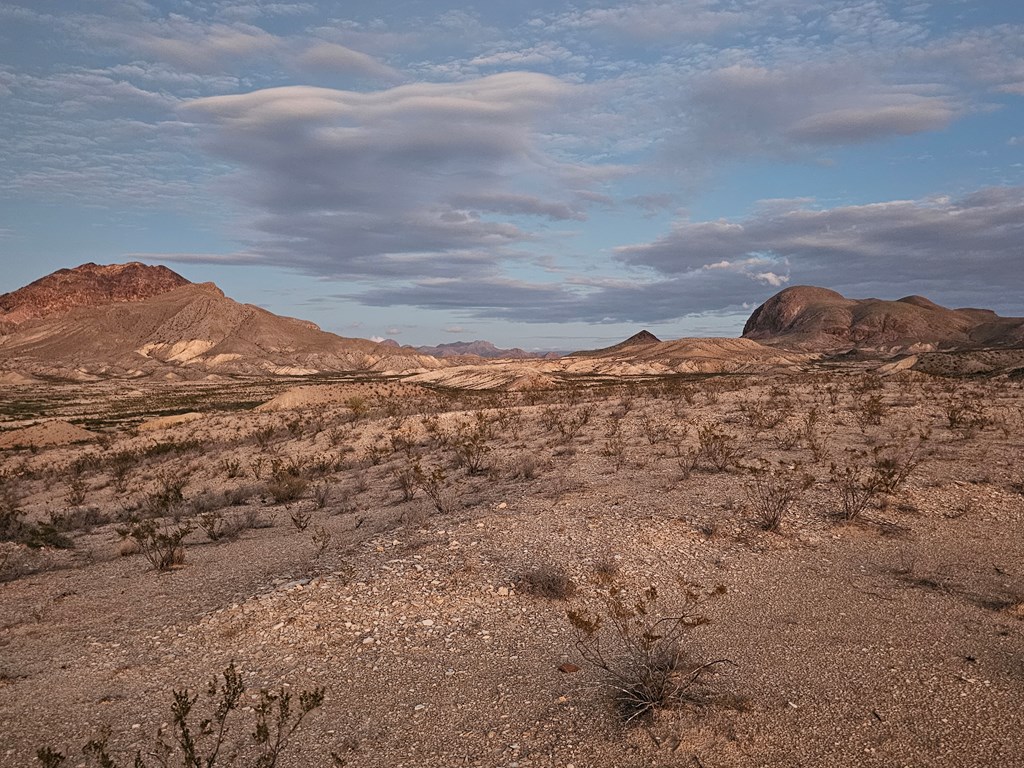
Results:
x,y
697,552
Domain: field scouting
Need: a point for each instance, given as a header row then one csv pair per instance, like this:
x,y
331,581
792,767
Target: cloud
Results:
x,y
189,45
946,247
745,109
957,252
331,57
852,126
256,10
601,301
393,182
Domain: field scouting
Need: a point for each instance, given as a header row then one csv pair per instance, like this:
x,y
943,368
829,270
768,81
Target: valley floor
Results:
x,y
416,553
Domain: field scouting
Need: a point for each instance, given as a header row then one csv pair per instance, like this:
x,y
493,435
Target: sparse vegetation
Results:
x,y
548,580
639,654
162,544
192,744
772,491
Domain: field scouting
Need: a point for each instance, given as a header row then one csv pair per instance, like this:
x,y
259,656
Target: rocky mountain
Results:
x,y
89,285
480,348
190,331
818,319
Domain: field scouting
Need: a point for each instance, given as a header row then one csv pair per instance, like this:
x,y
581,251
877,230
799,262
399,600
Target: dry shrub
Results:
x,y
285,487
163,545
639,655
772,491
548,581
193,744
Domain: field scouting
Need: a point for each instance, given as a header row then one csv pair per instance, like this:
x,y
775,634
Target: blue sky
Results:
x,y
540,174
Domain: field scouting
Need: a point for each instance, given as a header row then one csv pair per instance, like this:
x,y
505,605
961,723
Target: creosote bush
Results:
x,y
639,654
163,545
435,485
201,745
772,491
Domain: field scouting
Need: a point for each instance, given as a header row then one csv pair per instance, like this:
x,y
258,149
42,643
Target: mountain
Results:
x,y
638,339
480,348
818,319
90,285
190,331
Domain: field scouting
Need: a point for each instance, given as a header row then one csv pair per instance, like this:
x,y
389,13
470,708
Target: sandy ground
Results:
x,y
891,640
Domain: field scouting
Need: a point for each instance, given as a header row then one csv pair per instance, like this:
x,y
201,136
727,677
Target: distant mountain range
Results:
x,y
133,320
483,349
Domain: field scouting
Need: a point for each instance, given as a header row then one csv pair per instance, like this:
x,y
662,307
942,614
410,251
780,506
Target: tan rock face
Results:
x,y
90,285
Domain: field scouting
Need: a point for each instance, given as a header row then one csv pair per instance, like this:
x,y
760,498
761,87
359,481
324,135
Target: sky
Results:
x,y
546,175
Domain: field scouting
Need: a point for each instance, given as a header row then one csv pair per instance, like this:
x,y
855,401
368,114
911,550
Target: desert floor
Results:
x,y
417,552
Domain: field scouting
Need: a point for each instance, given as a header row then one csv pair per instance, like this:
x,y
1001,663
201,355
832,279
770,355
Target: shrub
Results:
x,y
199,745
14,528
168,495
719,449
321,540
568,423
773,491
550,581
857,483
639,654
284,487
869,409
966,413
77,489
434,483
220,527
470,445
893,463
301,519
656,429
161,544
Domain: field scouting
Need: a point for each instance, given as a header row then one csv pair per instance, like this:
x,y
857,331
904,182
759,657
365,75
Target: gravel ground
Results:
x,y
895,640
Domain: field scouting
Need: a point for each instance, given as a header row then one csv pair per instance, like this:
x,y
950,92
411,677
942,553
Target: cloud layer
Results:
x,y
399,182
531,162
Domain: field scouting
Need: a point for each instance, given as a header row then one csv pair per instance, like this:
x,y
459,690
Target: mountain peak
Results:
x,y
643,337
87,285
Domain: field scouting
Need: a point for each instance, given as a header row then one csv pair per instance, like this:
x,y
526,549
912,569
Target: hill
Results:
x,y
818,319
190,331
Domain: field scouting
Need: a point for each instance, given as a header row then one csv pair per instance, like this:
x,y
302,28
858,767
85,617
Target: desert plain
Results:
x,y
842,538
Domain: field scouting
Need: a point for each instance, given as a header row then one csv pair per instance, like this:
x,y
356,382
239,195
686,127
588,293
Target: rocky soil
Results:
x,y
893,638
